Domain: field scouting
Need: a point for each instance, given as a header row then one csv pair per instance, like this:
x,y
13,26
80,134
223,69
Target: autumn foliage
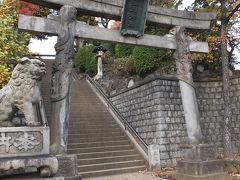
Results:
x,y
116,25
28,8
213,36
13,44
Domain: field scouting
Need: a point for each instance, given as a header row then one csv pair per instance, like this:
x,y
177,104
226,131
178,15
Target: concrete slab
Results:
x,y
130,176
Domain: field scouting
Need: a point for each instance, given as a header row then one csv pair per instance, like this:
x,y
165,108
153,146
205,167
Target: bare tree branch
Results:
x,y
232,13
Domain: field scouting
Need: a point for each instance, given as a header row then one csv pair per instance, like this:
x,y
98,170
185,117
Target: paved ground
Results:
x,y
131,176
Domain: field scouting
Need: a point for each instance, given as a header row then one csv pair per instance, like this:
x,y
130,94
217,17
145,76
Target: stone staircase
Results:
x,y
99,143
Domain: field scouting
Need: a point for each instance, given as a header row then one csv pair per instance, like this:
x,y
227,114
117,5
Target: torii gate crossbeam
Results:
x,y
112,9
50,26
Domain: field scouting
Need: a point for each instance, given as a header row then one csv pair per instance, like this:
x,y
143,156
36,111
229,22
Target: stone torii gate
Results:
x,y
67,28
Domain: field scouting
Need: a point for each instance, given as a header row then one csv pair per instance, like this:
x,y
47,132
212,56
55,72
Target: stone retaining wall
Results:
x,y
154,109
211,106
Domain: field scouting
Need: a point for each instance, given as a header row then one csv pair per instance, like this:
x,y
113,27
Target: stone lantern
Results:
x,y
99,50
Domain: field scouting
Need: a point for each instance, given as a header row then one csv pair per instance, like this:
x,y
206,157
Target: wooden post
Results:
x,y
61,82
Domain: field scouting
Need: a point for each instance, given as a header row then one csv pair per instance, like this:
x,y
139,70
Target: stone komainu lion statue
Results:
x,y
22,92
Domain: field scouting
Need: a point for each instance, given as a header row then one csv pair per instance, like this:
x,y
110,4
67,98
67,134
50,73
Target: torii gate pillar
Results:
x,y
199,160
184,74
61,80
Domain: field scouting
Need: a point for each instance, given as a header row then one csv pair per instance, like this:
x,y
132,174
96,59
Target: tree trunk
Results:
x,y
227,143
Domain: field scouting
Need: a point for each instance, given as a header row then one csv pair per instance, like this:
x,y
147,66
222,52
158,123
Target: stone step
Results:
x,y
91,123
103,134
90,130
109,159
99,149
95,109
95,131
92,97
101,112
85,93
94,139
89,114
88,122
90,117
92,126
97,144
77,102
107,172
106,154
88,102
98,141
114,165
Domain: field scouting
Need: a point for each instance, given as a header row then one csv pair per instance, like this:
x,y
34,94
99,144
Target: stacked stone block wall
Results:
x,y
154,109
211,106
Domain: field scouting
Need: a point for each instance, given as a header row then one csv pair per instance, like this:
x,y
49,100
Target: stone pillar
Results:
x,y
198,160
61,93
184,73
61,80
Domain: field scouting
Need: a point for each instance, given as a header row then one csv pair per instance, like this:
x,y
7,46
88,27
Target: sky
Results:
x,y
44,47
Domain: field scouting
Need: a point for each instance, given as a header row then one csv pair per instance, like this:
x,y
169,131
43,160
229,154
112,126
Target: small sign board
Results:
x,y
134,17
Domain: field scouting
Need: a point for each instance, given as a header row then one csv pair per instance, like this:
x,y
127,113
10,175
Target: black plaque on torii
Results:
x,y
134,17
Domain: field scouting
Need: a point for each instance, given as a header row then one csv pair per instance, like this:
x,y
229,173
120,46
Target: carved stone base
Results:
x,y
68,167
200,168
199,162
46,165
200,152
24,141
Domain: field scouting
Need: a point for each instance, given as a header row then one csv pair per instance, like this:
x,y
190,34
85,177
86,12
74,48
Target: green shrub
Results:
x,y
147,59
122,50
119,66
129,66
85,60
91,66
123,66
110,47
107,58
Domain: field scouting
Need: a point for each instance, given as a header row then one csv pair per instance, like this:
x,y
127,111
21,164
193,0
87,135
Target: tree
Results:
x,y
163,3
30,9
13,44
213,37
227,16
103,22
225,19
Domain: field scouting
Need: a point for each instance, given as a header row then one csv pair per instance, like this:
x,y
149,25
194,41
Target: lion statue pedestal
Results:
x,y
25,148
